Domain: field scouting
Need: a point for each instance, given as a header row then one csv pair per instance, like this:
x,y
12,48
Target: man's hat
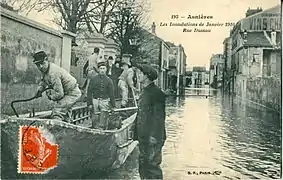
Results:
x,y
149,71
39,57
126,56
126,61
101,63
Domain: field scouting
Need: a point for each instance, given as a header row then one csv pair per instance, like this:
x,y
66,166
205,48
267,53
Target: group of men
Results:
x,y
150,123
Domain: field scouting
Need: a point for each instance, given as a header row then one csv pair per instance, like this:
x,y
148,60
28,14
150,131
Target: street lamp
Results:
x,y
133,41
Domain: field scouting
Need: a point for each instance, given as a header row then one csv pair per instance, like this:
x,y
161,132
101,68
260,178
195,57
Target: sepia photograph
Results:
x,y
141,89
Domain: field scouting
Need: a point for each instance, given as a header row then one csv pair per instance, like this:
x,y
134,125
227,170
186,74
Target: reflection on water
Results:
x,y
224,134
216,134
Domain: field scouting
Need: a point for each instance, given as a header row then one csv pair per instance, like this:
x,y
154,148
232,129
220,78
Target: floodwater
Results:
x,y
215,137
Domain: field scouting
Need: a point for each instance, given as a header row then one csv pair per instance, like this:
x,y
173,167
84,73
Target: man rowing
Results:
x,y
62,87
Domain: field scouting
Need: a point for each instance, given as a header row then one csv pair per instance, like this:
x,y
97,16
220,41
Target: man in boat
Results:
x,y
126,79
100,96
62,87
150,125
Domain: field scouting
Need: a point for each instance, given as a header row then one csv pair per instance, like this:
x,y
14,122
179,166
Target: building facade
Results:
x,y
198,76
256,59
155,51
177,63
216,70
227,56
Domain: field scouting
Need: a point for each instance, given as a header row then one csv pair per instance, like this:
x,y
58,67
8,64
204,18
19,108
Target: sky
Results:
x,y
198,46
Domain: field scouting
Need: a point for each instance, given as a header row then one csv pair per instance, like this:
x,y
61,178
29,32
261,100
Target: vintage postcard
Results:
x,y
141,89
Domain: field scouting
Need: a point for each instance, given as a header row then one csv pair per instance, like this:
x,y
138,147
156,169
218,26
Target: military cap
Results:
x,y
39,57
149,71
101,63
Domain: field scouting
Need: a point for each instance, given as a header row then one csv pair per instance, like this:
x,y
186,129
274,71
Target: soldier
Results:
x,y
63,87
100,96
150,126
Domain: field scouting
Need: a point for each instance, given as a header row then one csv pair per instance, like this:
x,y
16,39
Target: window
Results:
x,y
266,70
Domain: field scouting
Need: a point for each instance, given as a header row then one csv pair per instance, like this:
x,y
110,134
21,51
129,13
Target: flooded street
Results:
x,y
217,135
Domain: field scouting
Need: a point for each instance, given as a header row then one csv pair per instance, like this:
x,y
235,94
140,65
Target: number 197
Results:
x,y
174,17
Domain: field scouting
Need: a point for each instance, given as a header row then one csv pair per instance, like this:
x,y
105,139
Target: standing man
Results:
x,y
126,79
150,126
110,63
63,87
90,68
116,71
100,96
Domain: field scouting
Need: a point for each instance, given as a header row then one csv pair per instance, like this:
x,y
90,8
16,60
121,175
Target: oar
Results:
x,y
120,109
135,100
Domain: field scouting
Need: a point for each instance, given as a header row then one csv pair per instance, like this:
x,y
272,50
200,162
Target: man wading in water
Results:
x,y
150,126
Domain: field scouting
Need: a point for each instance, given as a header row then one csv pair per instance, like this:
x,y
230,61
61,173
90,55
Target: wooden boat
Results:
x,y
83,151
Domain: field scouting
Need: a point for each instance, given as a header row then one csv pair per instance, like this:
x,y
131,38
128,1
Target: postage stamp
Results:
x,y
38,152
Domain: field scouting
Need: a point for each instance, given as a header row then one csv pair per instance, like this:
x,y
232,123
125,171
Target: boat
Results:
x,y
82,150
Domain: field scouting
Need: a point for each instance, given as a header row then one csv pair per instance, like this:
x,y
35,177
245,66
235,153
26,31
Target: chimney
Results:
x,y
153,27
273,37
253,11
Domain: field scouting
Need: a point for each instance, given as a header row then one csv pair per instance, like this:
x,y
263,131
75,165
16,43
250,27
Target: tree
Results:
x,y
127,24
72,15
120,20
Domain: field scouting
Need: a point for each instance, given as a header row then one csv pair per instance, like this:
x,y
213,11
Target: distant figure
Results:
x,y
63,87
126,79
115,73
100,96
90,68
150,126
110,63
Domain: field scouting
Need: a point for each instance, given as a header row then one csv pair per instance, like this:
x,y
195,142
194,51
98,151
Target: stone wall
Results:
x,y
20,38
265,91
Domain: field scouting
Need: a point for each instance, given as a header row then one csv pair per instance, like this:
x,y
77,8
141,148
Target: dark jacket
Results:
x,y
151,115
100,86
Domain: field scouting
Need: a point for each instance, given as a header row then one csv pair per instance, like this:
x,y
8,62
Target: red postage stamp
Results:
x,y
37,152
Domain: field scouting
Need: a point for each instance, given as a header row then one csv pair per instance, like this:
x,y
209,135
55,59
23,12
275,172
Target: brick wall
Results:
x,y
20,38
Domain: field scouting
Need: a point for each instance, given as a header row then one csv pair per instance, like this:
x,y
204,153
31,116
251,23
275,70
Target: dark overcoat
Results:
x,y
151,115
